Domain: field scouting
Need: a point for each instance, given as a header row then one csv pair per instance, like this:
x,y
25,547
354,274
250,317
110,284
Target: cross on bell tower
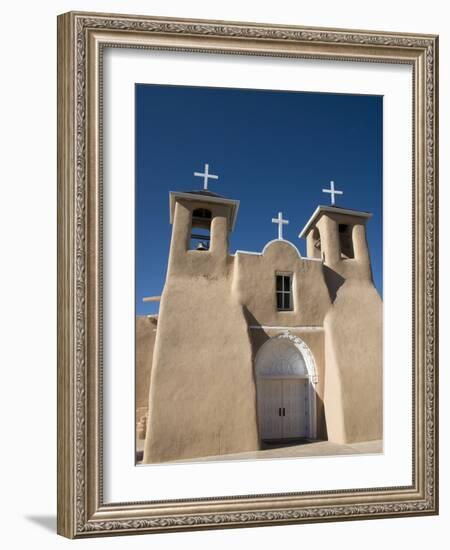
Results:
x,y
332,192
280,223
206,176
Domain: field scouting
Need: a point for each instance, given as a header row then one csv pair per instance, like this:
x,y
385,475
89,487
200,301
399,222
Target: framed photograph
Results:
x,y
247,285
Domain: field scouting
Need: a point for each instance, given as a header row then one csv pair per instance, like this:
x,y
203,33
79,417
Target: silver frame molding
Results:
x,y
81,39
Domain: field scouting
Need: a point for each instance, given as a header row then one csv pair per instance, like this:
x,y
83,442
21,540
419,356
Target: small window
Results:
x,y
202,214
201,229
345,241
200,240
284,292
315,237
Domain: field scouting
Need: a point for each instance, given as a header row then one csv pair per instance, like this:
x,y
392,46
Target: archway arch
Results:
x,y
286,376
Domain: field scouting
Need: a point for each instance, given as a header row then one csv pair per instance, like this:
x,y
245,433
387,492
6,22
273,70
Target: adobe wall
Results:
x,y
202,391
145,342
354,359
254,280
353,339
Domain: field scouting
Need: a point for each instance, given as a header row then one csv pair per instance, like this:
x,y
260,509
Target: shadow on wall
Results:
x,y
321,428
263,337
251,321
334,282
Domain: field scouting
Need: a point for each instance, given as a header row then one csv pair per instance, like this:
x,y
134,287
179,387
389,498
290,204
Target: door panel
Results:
x,y
295,404
269,405
288,397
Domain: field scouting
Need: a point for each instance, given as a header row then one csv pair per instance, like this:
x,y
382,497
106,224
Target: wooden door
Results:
x,y
270,399
295,408
283,408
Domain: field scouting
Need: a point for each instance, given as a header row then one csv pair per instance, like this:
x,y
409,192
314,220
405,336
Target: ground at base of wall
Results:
x,y
303,449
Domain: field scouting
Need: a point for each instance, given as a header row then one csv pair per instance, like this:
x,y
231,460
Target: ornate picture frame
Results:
x,y
82,40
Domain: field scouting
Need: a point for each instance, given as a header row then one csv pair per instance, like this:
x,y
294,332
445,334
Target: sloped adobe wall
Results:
x,y
354,368
202,392
145,342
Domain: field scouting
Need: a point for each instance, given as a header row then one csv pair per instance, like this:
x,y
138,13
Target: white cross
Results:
x,y
206,175
332,192
280,223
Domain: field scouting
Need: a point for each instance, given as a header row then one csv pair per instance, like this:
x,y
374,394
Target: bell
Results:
x,y
201,246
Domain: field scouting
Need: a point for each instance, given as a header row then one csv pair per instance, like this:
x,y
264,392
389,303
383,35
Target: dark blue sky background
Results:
x,y
273,150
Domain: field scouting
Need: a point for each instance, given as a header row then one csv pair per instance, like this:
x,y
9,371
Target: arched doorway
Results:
x,y
286,398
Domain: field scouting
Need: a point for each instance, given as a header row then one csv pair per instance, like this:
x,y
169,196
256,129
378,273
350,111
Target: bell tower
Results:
x,y
353,381
338,236
200,402
201,223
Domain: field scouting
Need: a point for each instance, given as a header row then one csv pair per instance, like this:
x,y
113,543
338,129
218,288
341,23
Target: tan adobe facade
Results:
x,y
256,347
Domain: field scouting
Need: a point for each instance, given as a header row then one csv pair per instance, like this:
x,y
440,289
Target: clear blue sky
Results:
x,y
273,151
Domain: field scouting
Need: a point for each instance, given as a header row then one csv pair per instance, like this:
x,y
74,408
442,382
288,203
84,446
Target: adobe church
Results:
x,y
257,347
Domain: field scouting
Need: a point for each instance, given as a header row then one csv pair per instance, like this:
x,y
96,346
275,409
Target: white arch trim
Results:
x,y
302,348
